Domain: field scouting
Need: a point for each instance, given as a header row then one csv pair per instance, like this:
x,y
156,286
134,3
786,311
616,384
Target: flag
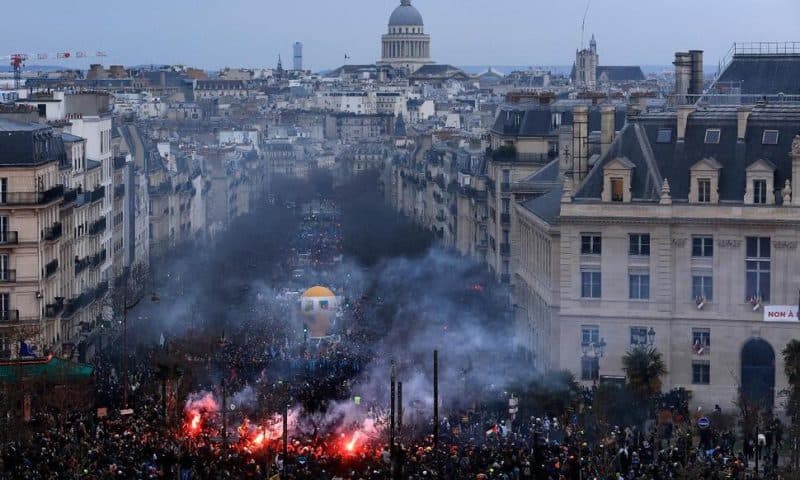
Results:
x,y
24,349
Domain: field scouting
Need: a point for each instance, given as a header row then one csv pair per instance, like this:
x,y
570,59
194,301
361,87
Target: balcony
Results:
x,y
505,218
98,227
70,195
101,290
97,259
119,162
9,317
50,269
53,233
505,249
119,191
8,276
32,198
74,304
52,310
81,264
163,189
9,238
98,193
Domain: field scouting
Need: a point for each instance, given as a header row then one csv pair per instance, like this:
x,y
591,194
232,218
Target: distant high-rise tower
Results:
x,y
298,56
586,61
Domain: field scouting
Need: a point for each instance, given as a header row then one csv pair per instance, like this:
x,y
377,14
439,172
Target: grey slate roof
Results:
x,y
548,205
537,120
438,71
655,161
620,73
762,74
70,138
29,144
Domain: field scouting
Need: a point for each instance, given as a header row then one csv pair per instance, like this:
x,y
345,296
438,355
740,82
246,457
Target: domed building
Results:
x,y
406,46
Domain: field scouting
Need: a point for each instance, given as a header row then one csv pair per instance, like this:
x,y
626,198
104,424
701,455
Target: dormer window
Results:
x,y
704,186
617,187
769,137
760,183
617,175
759,192
713,135
704,190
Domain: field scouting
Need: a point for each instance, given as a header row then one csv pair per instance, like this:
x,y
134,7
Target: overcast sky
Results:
x,y
251,33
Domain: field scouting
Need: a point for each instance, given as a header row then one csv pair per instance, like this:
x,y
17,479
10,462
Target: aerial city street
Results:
x,y
376,265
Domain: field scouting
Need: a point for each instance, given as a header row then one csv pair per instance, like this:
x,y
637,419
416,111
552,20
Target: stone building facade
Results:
x,y
683,235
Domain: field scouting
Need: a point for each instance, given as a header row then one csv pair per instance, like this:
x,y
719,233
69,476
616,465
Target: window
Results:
x,y
664,136
591,244
712,135
590,334
617,189
757,268
703,287
760,192
590,285
701,337
769,137
3,189
506,205
506,176
590,368
638,336
5,306
703,246
704,190
639,286
639,244
701,373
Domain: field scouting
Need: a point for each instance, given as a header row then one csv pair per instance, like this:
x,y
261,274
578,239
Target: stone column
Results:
x,y
796,171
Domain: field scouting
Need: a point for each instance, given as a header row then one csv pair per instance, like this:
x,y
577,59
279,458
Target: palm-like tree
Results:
x,y
644,368
791,366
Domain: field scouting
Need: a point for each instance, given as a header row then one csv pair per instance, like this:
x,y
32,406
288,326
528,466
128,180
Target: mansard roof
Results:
x,y
655,159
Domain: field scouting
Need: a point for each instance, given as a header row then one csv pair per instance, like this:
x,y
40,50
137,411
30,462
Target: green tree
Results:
x,y
791,366
644,368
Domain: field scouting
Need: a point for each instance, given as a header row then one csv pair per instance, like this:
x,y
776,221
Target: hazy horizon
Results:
x,y
248,33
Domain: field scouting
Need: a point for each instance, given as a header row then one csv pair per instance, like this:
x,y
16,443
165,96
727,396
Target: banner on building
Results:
x,y
780,313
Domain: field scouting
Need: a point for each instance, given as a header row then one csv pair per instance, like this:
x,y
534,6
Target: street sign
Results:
x,y
703,422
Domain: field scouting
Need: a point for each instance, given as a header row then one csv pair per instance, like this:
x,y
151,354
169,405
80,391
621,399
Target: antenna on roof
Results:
x,y
583,23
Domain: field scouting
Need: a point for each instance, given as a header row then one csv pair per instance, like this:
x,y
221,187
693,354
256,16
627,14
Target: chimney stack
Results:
x,y
697,82
580,141
742,114
607,127
683,76
683,117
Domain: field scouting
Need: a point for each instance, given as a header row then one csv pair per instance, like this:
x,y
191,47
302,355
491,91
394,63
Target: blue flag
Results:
x,y
24,349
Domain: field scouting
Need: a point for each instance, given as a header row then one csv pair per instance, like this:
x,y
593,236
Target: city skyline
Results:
x,y
248,34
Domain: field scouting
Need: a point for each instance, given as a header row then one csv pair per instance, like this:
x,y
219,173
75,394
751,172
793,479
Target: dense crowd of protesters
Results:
x,y
136,433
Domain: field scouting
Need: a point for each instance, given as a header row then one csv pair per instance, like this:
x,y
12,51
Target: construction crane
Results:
x,y
18,60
